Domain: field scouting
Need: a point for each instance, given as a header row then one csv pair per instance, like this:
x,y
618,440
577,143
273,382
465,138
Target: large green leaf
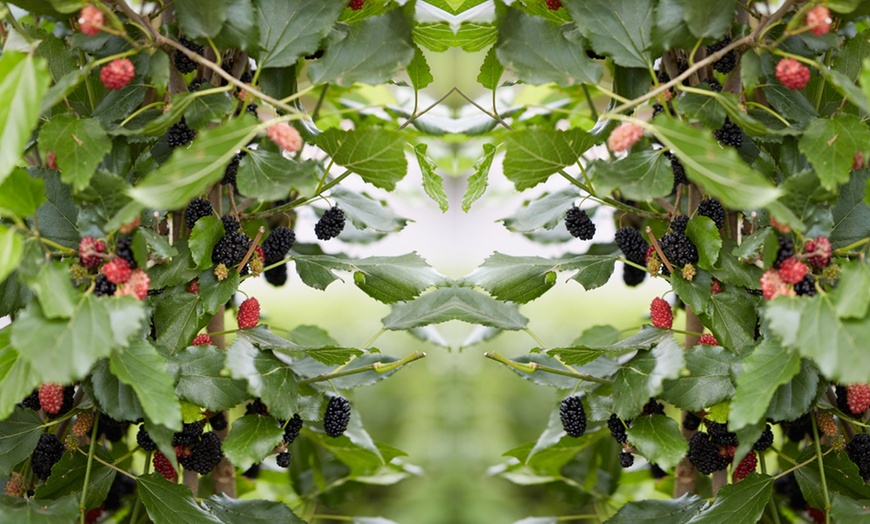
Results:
x,y
369,52
719,171
73,344
251,439
515,279
68,477
177,319
731,317
765,369
851,213
433,184
377,155
267,377
471,36
643,377
24,81
794,398
290,29
830,145
708,382
477,182
191,170
491,70
540,52
197,22
620,29
12,247
543,212
852,295
32,511
266,175
167,502
535,154
703,233
585,351
111,396
240,31
206,233
367,213
229,510
841,476
454,303
709,19
658,439
418,70
17,378
143,369
80,145
18,437
394,279
674,511
53,287
21,195
642,176
201,379
741,502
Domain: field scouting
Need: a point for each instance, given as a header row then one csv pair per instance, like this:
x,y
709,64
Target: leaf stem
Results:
x,y
535,338
371,341
532,367
377,367
91,450
818,447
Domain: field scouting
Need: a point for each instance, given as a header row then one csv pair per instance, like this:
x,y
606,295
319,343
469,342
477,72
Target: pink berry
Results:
x,y
857,397
819,20
792,74
818,251
660,313
624,136
356,5
554,4
202,340
708,340
746,466
773,286
51,398
285,136
90,251
135,286
715,287
164,467
117,270
117,73
792,270
90,20
857,160
249,313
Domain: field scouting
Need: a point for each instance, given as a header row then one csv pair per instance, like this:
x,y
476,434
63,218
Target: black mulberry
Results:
x,y
32,401
617,429
232,169
786,250
256,407
729,134
48,452
704,455
678,169
188,436
712,209
184,64
726,63
231,223
231,249
765,440
283,459
218,421
691,421
330,224
632,244
858,450
626,459
632,276
196,209
179,134
144,440
573,416
678,249
292,429
102,286
204,455
579,224
806,287
679,223
720,435
278,243
124,249
277,276
337,416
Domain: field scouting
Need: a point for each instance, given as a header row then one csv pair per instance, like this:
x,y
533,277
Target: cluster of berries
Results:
x,y
195,450
119,275
789,275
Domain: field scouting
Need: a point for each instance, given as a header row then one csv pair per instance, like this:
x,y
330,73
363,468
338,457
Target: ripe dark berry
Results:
x,y
656,471
589,52
218,421
704,455
231,249
714,85
144,439
356,5
786,250
188,436
164,467
726,63
330,224
51,398
806,287
336,417
746,466
678,249
283,459
31,401
579,224
573,416
679,223
617,429
122,485
626,459
233,169
249,313
632,276
632,244
720,435
204,455
660,313
196,209
765,440
252,472
277,244
788,486
124,250
691,421
49,450
231,223
712,209
729,134
653,408
554,5
292,429
179,134
196,84
256,407
277,276
797,429
858,450
184,64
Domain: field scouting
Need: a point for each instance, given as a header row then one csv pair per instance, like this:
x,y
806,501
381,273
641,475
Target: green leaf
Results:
x,y
177,319
708,382
72,344
514,279
433,184
643,377
670,29
478,180
191,170
535,154
418,70
642,176
68,477
167,502
848,511
658,439
126,314
732,319
368,52
215,293
711,19
201,23
544,212
846,87
841,475
31,511
18,437
696,292
229,510
620,29
741,502
205,235
204,110
53,287
732,271
240,30
376,155
290,29
704,108
465,304
267,377
317,270
265,175
143,369
491,70
80,145
851,214
471,36
584,352
199,371
25,80
764,370
112,397
794,398
12,247
367,213
674,511
703,233
540,52
830,145
17,379
21,195
251,439
394,279
727,177
852,295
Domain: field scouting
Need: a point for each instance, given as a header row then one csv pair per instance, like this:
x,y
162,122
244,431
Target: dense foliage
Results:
x,y
156,156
